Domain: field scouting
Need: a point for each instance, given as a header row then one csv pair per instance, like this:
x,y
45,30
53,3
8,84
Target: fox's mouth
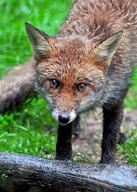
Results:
x,y
64,118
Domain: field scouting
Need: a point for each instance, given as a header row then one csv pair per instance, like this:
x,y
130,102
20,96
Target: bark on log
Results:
x,y
24,173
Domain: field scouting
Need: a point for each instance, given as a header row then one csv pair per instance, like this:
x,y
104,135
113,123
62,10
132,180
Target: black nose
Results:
x,y
63,118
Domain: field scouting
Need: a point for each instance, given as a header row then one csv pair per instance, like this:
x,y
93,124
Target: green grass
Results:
x,y
129,148
29,127
131,99
46,15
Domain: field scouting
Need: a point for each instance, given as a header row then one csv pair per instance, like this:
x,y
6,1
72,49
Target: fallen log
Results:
x,y
17,85
25,173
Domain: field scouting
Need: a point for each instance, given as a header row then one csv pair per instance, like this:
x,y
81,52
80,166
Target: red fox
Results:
x,y
86,64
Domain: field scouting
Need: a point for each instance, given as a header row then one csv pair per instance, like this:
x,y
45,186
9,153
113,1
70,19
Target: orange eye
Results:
x,y
81,87
54,83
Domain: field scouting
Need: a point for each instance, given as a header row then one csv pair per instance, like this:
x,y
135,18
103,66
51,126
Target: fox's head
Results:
x,y
71,72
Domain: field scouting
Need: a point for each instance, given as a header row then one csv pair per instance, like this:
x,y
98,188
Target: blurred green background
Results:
x,y
29,128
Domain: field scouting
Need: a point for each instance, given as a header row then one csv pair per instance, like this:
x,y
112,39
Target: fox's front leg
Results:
x,y
64,139
111,128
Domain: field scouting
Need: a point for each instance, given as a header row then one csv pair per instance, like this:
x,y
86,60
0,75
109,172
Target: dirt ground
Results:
x,y
87,145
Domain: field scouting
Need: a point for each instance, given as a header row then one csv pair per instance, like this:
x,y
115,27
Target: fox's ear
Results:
x,y
105,50
39,41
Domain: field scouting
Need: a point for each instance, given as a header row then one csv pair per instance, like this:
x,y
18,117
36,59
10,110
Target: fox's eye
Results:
x,y
81,87
54,83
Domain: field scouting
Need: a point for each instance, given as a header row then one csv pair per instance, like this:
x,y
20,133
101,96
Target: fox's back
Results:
x,y
98,19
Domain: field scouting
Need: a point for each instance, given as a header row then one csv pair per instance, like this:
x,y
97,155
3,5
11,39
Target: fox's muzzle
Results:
x,y
63,117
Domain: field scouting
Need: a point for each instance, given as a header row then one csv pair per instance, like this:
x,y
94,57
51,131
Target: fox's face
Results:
x,y
70,80
71,73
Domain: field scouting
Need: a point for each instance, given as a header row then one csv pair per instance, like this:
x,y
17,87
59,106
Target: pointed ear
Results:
x,y
105,50
39,41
